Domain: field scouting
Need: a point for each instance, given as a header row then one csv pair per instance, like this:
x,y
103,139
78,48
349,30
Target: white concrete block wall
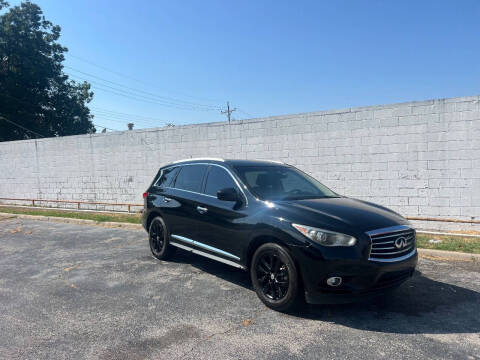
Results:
x,y
419,158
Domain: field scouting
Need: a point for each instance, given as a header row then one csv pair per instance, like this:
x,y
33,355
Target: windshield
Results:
x,y
281,183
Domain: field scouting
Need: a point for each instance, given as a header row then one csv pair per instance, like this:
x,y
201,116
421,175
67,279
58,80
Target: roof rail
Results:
x,y
195,159
273,161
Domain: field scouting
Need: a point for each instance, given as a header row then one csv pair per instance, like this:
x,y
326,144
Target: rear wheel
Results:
x,y
158,238
275,277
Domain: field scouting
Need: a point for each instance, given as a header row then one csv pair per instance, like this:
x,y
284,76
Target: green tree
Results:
x,y
36,96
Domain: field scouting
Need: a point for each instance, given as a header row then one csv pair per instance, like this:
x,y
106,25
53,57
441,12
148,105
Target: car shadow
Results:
x,y
421,305
215,268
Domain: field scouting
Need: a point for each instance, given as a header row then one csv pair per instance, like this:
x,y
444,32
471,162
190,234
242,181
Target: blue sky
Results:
x,y
186,58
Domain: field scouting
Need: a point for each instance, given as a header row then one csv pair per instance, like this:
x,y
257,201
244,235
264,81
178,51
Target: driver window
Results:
x,y
218,178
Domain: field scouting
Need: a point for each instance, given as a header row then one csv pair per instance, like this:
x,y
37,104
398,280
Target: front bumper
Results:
x,y
361,278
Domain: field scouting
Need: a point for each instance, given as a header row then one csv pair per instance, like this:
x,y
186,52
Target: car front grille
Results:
x,y
391,244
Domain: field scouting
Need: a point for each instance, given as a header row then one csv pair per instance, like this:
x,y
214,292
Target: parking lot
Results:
x,y
77,291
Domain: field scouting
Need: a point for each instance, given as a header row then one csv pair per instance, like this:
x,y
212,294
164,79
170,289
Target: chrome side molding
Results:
x,y
206,247
210,256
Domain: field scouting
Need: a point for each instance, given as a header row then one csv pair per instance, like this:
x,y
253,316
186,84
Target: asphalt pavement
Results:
x,y
86,292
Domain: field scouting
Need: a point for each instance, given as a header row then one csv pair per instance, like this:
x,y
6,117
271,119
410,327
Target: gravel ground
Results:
x,y
74,291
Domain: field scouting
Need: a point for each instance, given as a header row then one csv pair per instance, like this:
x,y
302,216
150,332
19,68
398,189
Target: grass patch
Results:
x,y
87,215
451,243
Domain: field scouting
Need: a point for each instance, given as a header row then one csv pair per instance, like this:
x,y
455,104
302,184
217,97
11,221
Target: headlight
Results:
x,y
324,237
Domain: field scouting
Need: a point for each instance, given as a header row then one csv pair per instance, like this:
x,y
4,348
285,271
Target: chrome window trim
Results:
x,y
189,191
204,246
211,164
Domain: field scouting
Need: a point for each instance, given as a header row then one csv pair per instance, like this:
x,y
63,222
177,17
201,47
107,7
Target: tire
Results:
x,y
275,277
158,239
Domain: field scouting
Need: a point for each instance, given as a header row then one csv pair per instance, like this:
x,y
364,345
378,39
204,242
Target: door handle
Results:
x,y
166,199
201,209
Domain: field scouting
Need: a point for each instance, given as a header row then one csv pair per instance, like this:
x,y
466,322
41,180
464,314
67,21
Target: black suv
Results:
x,y
293,234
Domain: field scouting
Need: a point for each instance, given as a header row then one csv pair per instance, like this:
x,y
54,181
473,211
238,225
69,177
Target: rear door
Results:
x,y
181,201
159,193
222,224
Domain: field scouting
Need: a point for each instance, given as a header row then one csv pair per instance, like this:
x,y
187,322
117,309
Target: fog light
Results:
x,y
334,281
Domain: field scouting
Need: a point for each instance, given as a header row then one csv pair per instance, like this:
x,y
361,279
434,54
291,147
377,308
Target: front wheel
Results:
x,y
158,238
275,277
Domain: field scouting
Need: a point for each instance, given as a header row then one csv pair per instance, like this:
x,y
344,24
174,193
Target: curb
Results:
x,y
107,224
425,253
447,255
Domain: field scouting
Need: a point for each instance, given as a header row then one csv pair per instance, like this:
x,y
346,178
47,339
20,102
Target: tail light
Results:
x,y
145,194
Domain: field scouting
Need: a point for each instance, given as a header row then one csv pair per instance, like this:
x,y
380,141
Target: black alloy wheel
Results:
x,y
272,275
158,238
275,277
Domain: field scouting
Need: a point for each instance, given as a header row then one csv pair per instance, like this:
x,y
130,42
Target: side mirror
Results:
x,y
228,194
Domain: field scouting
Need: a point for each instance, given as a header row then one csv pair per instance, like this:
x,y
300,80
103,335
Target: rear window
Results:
x,y
190,177
166,177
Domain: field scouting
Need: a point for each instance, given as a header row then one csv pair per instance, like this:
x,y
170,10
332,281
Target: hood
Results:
x,y
335,213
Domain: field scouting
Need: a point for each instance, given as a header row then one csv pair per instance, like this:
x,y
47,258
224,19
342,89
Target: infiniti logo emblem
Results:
x,y
400,243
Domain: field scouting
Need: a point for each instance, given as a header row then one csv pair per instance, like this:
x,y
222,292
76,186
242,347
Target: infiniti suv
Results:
x,y
298,239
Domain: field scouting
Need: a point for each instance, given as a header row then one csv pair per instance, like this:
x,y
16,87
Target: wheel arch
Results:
x,y
261,239
153,214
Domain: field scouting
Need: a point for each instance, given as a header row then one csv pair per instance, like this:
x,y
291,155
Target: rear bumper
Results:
x,y
144,219
361,279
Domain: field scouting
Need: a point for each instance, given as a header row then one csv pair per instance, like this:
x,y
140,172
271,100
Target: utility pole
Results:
x,y
228,111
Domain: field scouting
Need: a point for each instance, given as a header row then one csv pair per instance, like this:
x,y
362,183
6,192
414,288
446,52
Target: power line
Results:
x,y
134,96
137,95
123,117
150,96
22,127
25,102
98,125
129,76
163,98
33,132
123,121
246,113
122,114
